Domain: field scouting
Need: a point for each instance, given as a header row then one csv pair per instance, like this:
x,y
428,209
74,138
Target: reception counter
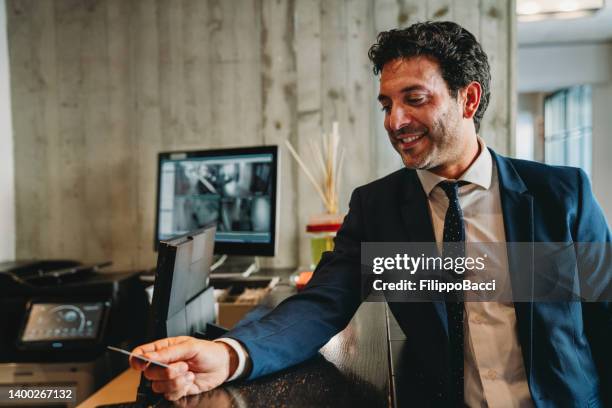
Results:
x,y
351,370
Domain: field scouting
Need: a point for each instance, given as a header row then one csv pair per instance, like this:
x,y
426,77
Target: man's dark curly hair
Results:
x,y
459,54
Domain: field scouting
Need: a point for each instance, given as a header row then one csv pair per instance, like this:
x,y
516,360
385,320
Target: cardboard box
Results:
x,y
230,314
239,296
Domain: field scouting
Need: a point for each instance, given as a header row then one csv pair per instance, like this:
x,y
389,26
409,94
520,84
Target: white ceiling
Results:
x,y
595,28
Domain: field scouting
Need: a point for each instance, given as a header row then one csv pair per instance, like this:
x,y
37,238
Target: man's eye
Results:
x,y
416,101
386,109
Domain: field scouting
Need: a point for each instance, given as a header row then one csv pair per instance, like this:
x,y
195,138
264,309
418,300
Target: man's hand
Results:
x,y
195,365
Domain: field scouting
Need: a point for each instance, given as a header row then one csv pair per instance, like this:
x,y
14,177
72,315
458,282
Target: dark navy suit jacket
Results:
x,y
567,346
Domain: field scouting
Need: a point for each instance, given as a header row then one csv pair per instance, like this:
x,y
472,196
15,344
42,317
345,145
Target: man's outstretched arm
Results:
x,y
294,331
297,328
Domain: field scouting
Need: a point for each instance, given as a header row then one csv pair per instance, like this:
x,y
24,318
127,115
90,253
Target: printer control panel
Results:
x,y
57,323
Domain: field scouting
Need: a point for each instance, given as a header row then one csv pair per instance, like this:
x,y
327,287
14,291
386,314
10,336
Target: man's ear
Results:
x,y
471,99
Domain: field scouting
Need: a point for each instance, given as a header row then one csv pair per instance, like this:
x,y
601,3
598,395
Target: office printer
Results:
x,y
57,318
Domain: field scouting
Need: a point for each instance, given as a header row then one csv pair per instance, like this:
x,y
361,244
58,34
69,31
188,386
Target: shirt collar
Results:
x,y
479,173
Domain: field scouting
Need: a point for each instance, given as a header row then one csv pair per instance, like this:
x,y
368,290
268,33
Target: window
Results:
x,y
568,128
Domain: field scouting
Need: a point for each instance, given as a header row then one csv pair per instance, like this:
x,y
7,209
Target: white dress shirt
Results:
x,y
494,372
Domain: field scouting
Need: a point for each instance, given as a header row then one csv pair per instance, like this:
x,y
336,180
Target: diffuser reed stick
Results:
x,y
328,159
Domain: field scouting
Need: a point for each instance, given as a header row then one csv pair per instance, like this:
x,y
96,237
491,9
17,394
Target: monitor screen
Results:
x,y
63,321
234,188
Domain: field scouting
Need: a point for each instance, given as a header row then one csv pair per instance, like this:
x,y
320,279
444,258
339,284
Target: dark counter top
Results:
x,y
351,370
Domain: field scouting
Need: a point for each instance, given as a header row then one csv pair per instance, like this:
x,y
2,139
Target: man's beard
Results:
x,y
444,144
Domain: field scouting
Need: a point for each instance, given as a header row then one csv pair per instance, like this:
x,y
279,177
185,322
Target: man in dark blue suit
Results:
x,y
434,90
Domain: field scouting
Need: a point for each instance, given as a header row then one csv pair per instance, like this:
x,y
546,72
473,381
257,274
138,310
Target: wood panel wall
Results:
x,y
100,86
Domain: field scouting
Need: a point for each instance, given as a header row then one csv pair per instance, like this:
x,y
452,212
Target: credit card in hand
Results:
x,y
138,356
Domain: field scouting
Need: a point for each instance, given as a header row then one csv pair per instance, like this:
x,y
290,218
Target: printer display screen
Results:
x,y
59,321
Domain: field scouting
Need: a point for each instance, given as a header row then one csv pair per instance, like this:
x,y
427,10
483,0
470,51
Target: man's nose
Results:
x,y
398,118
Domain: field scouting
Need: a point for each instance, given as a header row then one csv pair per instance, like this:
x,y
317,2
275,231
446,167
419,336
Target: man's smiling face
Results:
x,y
422,119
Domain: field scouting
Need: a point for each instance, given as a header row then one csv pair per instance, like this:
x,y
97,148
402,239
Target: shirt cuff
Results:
x,y
242,356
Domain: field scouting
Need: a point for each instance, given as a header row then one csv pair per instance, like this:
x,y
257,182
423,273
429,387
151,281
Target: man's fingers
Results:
x,y
160,344
177,386
174,352
190,390
174,396
153,372
207,382
147,349
137,364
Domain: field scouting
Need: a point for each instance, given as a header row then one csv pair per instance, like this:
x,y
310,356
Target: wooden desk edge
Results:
x,y
120,389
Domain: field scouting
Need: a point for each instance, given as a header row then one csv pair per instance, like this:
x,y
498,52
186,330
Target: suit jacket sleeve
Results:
x,y
298,327
593,237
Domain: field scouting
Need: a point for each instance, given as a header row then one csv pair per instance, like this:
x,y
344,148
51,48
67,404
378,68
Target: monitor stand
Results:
x,y
234,266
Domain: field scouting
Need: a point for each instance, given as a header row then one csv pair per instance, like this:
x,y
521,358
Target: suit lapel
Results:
x,y
414,209
517,208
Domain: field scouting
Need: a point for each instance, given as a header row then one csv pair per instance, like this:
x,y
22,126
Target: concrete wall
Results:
x,y
531,114
99,87
7,180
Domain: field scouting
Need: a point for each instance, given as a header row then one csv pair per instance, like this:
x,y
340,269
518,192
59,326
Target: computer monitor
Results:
x,y
183,302
234,188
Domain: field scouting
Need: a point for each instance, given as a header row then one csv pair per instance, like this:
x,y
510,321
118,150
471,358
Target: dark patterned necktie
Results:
x,y
454,246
